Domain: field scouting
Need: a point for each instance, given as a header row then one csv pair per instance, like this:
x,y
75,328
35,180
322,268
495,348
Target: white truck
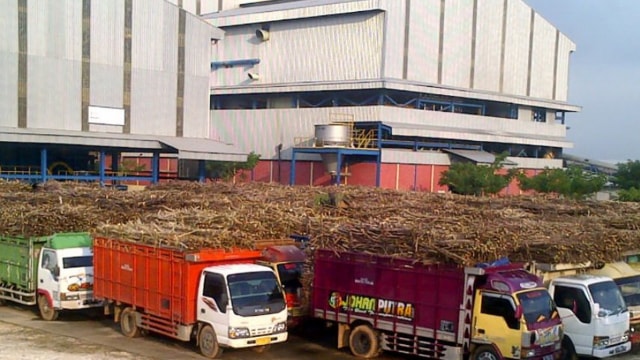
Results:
x,y
55,272
593,311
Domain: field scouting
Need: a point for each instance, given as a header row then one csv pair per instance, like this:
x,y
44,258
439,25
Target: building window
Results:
x,y
539,115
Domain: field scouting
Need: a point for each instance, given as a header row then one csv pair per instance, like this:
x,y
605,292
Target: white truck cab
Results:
x,y
65,275
593,311
245,305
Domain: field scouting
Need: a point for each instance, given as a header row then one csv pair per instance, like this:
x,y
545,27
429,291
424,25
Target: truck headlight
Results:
x,y
527,353
600,341
280,327
65,296
238,332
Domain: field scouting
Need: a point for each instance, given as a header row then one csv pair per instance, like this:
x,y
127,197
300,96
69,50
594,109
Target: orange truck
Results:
x,y
220,299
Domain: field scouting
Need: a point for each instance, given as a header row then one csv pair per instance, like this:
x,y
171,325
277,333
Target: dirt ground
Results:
x,y
24,343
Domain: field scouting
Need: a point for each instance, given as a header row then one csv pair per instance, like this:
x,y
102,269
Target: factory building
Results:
x,y
86,83
386,92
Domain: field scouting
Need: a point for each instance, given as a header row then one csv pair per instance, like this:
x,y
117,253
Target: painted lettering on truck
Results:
x,y
371,306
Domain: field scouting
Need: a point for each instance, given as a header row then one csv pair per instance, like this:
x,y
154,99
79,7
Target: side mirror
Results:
x,y
596,309
56,271
518,314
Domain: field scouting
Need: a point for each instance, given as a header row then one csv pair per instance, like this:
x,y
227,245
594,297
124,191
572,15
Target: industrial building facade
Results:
x,y
363,92
388,92
85,82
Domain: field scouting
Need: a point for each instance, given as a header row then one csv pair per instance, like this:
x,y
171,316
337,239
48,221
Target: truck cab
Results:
x,y
287,262
244,305
628,280
593,311
65,274
511,306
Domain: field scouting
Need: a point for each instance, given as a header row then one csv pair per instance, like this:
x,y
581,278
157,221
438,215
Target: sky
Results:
x,y
604,74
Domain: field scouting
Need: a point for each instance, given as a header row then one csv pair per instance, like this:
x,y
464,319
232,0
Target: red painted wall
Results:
x,y
363,174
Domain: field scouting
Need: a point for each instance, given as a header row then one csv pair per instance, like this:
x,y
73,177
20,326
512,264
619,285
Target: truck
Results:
x,y
54,272
628,280
286,259
219,298
379,302
593,311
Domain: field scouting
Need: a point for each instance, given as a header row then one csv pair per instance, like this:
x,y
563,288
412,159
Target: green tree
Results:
x,y
226,170
470,179
630,195
628,175
572,182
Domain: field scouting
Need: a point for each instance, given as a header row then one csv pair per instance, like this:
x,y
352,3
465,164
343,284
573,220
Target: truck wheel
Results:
x,y
485,352
364,342
568,351
47,312
261,349
128,324
208,343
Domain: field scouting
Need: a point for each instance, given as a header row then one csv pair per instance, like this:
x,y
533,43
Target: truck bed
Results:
x,y
389,293
162,281
18,262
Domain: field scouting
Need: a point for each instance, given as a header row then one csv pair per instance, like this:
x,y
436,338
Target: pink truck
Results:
x,y
436,310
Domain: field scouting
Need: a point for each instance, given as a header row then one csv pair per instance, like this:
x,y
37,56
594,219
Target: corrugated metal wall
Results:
x,y
542,59
345,47
565,47
107,53
154,55
197,72
54,64
488,45
424,41
456,47
9,64
516,48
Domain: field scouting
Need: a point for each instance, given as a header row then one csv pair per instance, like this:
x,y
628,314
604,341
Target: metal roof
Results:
x,y
186,148
477,156
433,131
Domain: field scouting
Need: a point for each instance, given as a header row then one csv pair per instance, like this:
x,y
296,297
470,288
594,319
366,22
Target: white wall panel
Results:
x,y
107,32
317,49
400,156
9,26
394,38
154,35
8,89
565,48
456,52
107,85
424,41
9,63
55,29
517,48
197,47
54,93
153,102
488,45
543,58
196,106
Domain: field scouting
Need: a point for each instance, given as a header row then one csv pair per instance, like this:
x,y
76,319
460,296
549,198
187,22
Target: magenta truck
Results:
x,y
436,311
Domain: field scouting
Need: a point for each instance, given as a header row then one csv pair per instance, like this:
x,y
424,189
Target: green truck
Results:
x,y
53,272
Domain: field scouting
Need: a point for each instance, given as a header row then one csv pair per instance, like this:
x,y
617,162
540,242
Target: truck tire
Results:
x,y
568,351
364,342
485,352
208,343
47,312
128,324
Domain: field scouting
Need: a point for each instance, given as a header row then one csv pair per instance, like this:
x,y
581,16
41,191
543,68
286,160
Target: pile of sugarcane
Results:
x,y
424,226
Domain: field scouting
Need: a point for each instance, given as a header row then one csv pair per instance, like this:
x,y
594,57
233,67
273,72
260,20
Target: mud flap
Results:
x,y
343,335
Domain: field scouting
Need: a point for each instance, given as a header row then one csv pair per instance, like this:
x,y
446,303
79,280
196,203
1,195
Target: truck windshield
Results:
x,y
290,274
537,306
77,261
630,288
255,293
608,295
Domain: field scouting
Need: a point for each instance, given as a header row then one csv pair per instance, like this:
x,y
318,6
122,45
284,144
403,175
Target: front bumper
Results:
x,y
79,304
612,350
257,341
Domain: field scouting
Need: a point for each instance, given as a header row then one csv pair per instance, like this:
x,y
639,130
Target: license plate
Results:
x,y
619,349
263,341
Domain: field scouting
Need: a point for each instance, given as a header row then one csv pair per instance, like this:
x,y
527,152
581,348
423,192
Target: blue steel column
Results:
x,y
155,168
115,156
103,161
43,165
202,171
379,156
292,173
